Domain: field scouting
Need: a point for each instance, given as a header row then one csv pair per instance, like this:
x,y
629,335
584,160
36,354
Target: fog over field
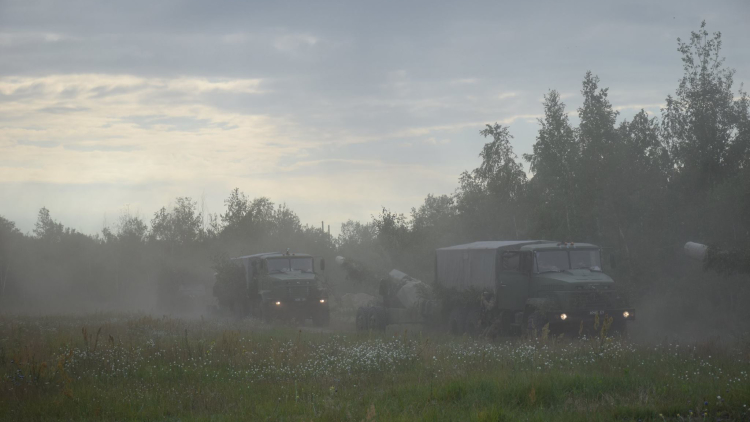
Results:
x,y
385,211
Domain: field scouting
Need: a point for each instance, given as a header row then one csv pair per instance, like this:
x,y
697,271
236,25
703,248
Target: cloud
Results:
x,y
638,107
134,136
433,141
100,147
63,109
40,144
18,39
291,43
308,103
464,81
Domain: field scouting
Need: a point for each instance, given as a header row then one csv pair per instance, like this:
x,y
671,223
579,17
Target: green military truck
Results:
x,y
519,286
275,285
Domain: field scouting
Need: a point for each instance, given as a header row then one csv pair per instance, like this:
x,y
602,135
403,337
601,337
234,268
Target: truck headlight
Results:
x,y
278,303
626,314
563,317
322,301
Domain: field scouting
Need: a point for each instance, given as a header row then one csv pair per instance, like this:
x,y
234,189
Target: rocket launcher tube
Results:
x,y
695,250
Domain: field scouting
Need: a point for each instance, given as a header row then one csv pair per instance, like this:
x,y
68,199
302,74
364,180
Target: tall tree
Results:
x,y
237,207
10,238
554,161
634,198
489,197
286,223
701,121
48,229
179,227
499,172
598,140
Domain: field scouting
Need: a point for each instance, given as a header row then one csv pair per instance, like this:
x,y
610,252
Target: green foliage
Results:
x,y
230,281
48,229
554,163
701,121
499,172
488,197
10,238
179,227
116,367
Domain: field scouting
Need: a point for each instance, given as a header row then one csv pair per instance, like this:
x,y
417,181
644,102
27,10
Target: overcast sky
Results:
x,y
335,109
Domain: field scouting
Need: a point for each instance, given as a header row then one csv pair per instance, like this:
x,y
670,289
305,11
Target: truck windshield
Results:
x,y
278,265
562,260
586,258
303,264
552,261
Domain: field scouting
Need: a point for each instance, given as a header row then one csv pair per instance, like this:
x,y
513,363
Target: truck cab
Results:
x,y
567,286
285,286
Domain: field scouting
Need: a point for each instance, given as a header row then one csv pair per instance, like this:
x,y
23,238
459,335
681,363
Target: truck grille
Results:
x,y
298,292
592,300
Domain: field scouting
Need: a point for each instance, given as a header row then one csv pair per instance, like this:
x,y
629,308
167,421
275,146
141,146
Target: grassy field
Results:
x,y
134,367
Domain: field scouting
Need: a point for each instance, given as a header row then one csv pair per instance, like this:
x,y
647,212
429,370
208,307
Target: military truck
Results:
x,y
276,285
521,286
503,288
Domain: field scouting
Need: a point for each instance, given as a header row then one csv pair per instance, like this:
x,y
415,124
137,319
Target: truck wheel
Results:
x,y
322,318
500,326
456,322
535,322
362,318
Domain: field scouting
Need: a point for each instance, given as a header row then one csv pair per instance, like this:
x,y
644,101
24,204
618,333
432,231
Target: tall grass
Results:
x,y
143,368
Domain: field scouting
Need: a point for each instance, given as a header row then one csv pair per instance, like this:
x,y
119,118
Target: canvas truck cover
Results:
x,y
473,265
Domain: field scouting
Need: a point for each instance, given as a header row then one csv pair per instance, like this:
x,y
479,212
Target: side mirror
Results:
x,y
612,261
322,264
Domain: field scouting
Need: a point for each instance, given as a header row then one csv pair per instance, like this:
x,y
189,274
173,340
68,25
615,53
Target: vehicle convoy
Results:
x,y
274,286
505,287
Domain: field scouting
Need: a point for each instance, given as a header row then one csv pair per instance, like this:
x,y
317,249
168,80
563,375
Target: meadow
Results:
x,y
139,367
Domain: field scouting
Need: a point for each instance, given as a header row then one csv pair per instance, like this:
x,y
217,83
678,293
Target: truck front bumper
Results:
x,y
299,309
576,316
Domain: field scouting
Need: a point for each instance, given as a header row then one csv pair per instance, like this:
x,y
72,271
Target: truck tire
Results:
x,y
498,327
377,318
535,321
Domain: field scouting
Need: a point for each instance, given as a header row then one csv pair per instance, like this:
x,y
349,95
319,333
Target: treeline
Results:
x,y
136,263
639,187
